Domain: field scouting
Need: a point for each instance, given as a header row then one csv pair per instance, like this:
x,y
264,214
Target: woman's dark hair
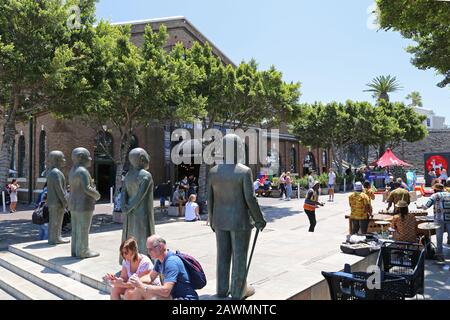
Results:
x,y
129,245
403,212
14,181
366,184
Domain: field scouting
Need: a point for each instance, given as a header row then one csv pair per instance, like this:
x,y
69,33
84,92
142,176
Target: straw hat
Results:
x,y
438,186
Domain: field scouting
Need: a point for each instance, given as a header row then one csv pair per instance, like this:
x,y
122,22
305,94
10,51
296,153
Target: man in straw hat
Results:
x,y
440,201
397,195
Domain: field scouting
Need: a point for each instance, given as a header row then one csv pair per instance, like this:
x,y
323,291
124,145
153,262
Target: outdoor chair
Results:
x,y
355,286
407,260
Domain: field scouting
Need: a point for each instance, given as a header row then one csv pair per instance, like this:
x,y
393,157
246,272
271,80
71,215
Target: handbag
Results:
x,y
38,216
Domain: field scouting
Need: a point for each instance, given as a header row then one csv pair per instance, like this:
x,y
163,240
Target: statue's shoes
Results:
x,y
89,254
61,241
249,291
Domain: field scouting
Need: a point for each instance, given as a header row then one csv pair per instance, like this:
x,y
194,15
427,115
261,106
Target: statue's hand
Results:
x,y
260,225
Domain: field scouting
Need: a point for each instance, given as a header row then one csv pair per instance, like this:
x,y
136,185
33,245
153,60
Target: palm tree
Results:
x,y
416,99
381,87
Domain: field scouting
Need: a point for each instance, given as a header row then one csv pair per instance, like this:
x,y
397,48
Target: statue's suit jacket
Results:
x,y
231,200
82,193
56,185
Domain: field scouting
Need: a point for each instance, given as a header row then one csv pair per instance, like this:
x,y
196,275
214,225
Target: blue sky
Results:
x,y
326,45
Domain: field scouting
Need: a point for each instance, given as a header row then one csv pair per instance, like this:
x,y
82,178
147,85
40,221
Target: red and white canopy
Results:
x,y
390,160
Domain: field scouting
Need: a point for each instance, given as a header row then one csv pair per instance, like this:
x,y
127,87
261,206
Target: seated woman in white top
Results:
x,y
192,210
133,263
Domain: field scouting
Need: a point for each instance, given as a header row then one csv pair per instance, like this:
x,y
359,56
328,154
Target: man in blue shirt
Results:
x,y
440,200
176,284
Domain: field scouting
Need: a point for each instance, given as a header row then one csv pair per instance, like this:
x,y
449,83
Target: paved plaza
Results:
x,y
286,264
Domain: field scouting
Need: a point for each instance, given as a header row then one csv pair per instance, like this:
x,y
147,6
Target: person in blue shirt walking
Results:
x,y
441,202
176,285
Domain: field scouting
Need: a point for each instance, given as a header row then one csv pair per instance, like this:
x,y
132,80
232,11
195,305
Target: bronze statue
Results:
x,y
56,196
82,198
137,200
232,207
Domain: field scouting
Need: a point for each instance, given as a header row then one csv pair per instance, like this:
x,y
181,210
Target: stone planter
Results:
x,y
303,193
275,193
324,191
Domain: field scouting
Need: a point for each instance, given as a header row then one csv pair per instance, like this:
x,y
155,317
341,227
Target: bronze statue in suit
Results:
x,y
56,196
82,198
233,211
137,200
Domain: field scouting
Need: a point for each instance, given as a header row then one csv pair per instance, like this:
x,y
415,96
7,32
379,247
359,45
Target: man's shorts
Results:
x,y
330,186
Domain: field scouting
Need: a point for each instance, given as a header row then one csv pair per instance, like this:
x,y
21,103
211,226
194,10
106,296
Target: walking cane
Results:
x,y
250,260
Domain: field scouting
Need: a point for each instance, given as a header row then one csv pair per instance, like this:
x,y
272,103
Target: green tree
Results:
x,y
381,87
31,32
425,22
326,126
113,81
416,99
239,97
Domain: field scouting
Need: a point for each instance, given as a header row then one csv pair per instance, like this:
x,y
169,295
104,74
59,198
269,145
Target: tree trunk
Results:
x,y
124,146
8,141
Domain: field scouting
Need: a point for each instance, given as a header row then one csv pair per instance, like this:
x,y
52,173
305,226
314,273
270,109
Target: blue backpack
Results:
x,y
194,269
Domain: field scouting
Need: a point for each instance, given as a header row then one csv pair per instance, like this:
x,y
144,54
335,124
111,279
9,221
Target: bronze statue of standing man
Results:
x,y
137,200
233,211
56,197
82,198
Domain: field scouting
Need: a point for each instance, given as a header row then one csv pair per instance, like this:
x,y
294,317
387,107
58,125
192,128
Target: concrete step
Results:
x,y
60,267
15,287
53,281
5,296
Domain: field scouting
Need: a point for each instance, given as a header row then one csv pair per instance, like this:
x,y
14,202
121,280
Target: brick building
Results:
x,y
44,133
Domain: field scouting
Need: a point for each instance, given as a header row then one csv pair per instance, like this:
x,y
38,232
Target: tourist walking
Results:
x,y
331,184
288,182
440,201
311,204
282,184
12,188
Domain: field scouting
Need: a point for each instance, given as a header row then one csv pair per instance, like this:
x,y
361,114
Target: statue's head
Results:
x,y
139,158
233,149
56,159
81,157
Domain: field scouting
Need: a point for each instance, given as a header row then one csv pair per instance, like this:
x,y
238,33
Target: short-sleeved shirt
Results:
x,y
370,194
310,200
144,265
358,202
397,195
406,228
189,214
173,270
331,178
436,200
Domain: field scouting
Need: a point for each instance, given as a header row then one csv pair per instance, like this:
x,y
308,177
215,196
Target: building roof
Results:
x,y
176,22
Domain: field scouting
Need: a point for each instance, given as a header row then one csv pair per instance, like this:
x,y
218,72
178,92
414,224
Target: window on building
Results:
x,y
428,122
104,145
42,153
21,157
293,160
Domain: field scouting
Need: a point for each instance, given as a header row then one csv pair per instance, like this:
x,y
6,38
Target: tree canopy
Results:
x,y
425,22
339,125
